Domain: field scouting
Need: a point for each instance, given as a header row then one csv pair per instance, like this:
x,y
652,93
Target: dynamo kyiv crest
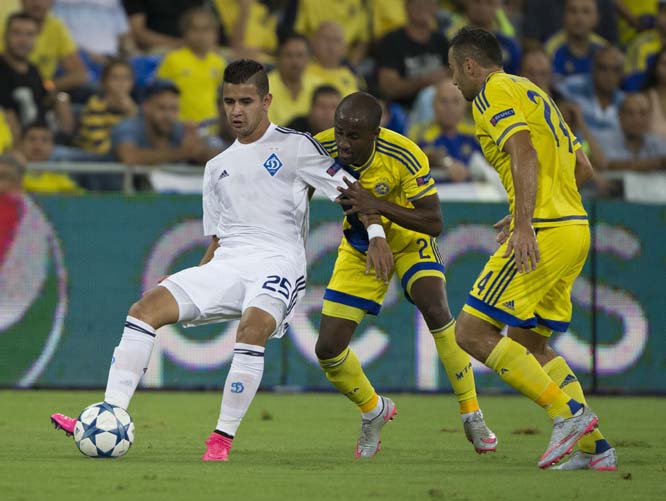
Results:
x,y
273,164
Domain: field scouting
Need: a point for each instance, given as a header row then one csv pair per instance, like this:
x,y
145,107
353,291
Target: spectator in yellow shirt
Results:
x,y
196,69
37,145
289,83
6,136
354,14
251,27
328,48
55,52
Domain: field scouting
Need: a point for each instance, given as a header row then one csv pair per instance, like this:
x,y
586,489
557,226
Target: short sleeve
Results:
x,y
211,204
317,169
497,111
416,181
124,132
66,43
166,70
119,20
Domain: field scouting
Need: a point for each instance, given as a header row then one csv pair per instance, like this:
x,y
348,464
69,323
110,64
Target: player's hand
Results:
x,y
357,199
524,244
503,229
380,258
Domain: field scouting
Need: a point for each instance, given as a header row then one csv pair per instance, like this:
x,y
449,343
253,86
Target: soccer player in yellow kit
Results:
x,y
395,188
527,283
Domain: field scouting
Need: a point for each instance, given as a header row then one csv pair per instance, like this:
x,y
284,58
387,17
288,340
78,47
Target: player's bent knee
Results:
x,y
253,335
327,348
464,335
436,315
157,308
334,336
255,327
141,311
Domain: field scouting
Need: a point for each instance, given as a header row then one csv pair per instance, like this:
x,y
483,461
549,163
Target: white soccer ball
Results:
x,y
104,431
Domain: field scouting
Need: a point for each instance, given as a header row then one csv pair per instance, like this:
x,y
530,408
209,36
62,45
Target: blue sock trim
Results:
x,y
574,406
601,446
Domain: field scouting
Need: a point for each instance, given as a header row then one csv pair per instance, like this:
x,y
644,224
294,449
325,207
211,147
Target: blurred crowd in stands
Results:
x,y
138,81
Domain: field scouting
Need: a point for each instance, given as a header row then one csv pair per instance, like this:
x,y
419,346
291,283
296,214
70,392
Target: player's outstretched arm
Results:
x,y
425,217
209,251
524,170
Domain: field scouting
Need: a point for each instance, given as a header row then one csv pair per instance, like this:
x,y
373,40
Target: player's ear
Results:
x,y
267,99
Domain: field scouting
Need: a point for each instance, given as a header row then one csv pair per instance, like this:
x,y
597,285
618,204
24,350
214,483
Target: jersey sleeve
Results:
x,y
317,169
166,69
416,181
211,204
497,111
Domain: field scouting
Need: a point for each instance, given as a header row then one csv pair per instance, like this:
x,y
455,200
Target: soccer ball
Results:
x,y
104,431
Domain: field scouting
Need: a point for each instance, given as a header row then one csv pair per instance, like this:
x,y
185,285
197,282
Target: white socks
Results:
x,y
247,368
130,361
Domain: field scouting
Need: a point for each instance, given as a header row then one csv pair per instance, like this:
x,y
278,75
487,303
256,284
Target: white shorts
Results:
x,y
222,289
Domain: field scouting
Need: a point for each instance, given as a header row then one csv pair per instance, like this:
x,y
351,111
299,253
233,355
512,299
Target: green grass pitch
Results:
x,y
300,446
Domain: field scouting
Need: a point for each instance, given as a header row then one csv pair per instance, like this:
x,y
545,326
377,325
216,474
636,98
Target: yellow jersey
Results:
x,y
53,43
6,138
284,107
49,182
386,16
351,14
508,104
197,79
341,78
261,29
397,171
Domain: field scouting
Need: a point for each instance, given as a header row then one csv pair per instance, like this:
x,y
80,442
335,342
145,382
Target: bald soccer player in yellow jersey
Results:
x,y
395,188
527,283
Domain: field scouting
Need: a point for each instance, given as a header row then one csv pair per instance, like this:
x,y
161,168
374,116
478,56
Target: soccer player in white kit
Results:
x,y
255,209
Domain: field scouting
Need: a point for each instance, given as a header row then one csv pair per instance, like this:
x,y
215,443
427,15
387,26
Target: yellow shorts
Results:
x,y
539,300
351,293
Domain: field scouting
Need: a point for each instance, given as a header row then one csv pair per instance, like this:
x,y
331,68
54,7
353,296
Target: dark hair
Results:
x,y
323,90
20,16
478,44
112,63
187,16
651,76
292,35
37,124
247,71
160,87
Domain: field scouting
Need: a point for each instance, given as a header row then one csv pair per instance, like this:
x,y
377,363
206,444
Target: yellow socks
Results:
x,y
457,365
560,372
517,367
346,374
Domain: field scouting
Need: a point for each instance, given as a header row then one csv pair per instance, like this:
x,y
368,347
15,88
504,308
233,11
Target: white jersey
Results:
x,y
257,195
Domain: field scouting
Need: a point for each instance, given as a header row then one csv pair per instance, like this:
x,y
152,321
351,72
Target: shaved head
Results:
x,y
356,127
361,109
